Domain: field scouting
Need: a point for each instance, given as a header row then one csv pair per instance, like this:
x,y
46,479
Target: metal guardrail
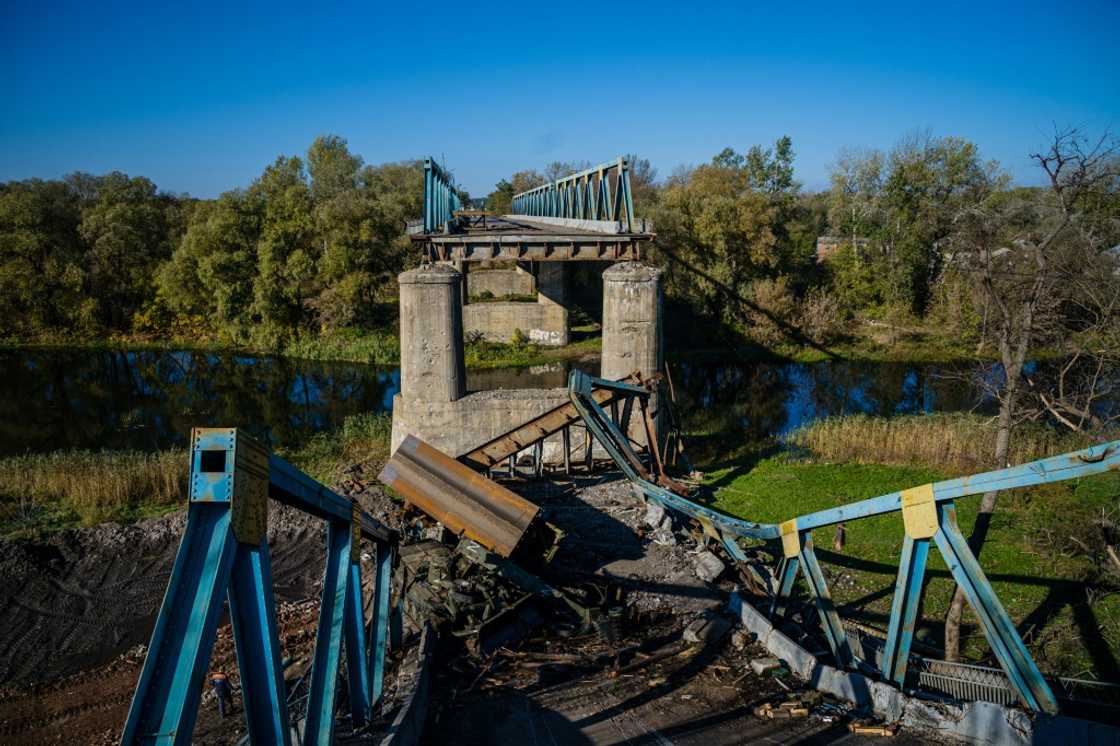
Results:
x,y
441,198
224,552
928,514
587,195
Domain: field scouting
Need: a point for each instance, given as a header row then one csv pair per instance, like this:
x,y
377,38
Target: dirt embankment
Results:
x,y
84,597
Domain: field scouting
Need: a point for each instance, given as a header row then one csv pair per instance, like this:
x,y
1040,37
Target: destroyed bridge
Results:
x,y
389,605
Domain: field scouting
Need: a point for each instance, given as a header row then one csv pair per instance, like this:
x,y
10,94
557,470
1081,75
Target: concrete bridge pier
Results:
x,y
632,333
433,403
432,363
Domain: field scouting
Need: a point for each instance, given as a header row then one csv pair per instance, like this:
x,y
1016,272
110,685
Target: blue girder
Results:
x,y
224,553
799,557
441,198
587,195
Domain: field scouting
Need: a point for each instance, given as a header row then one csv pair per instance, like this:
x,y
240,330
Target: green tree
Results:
x,y
365,246
42,273
286,247
212,271
333,168
125,232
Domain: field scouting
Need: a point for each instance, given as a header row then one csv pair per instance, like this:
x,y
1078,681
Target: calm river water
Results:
x,y
112,399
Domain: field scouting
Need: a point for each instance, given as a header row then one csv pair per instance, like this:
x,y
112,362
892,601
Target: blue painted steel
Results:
x,y
904,608
1004,639
253,615
357,664
165,705
787,574
319,726
586,195
441,198
379,622
826,609
211,562
998,628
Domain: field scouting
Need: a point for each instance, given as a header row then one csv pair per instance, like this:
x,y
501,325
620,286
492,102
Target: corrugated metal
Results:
x,y
464,501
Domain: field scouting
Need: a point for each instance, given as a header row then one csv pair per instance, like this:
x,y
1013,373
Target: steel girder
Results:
x,y
441,198
929,516
224,554
587,195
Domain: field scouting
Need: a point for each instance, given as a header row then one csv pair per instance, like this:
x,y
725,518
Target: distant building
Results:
x,y
829,245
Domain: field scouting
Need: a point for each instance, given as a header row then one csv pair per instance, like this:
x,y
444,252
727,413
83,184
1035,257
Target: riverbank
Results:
x,y
45,493
863,342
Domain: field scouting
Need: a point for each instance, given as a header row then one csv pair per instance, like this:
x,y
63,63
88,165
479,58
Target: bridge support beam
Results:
x,y
632,327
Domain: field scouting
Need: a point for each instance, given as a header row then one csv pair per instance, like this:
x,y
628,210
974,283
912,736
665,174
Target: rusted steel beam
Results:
x,y
537,429
473,248
464,501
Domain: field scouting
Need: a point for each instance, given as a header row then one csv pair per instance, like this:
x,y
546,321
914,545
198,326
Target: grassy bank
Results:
x,y
66,489
1045,555
377,347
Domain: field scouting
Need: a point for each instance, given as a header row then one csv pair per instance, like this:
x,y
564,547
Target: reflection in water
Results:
x,y
757,401
149,400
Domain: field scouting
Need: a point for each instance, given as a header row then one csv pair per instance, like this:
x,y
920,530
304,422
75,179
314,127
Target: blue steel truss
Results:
x,y
224,554
441,198
929,515
599,193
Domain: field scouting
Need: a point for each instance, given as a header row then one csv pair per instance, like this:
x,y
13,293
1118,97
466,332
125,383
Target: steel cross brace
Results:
x,y
224,552
798,550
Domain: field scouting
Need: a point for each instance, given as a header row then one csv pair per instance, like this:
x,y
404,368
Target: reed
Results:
x,y
950,442
94,485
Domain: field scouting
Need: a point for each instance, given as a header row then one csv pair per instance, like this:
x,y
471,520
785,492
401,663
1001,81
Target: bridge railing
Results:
x,y
224,554
441,198
599,193
929,517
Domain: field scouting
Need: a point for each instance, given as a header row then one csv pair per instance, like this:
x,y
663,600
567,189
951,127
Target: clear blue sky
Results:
x,y
201,97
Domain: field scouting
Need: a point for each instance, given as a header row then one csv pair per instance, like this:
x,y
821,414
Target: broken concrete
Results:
x,y
709,567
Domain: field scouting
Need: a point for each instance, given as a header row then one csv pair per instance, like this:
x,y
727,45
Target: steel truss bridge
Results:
x,y
587,216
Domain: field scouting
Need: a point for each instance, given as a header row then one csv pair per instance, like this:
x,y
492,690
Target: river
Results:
x,y
81,398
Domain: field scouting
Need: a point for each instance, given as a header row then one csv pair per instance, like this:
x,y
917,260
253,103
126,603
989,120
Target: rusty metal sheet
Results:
x,y
464,501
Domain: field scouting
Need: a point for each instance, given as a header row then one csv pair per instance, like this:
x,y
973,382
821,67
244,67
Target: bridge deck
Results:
x,y
485,238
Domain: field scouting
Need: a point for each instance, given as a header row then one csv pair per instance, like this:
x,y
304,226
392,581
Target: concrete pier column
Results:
x,y
632,326
432,365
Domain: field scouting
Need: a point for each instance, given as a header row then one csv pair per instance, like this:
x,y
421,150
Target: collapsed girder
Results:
x,y
928,514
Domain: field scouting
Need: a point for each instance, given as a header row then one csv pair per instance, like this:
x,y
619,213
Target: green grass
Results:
x,y
375,347
1063,594
66,489
483,355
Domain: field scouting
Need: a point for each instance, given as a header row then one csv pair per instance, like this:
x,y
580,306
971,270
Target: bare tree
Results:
x,y
1035,257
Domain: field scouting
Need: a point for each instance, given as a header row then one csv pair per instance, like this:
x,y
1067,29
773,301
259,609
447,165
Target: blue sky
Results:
x,y
201,97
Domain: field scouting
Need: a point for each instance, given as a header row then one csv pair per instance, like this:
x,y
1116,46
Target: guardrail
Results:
x,y
587,195
224,552
441,198
928,514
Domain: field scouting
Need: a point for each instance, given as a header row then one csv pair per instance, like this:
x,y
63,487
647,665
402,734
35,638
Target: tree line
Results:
x,y
311,245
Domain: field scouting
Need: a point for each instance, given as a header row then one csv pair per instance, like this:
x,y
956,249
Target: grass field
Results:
x,y
1066,606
